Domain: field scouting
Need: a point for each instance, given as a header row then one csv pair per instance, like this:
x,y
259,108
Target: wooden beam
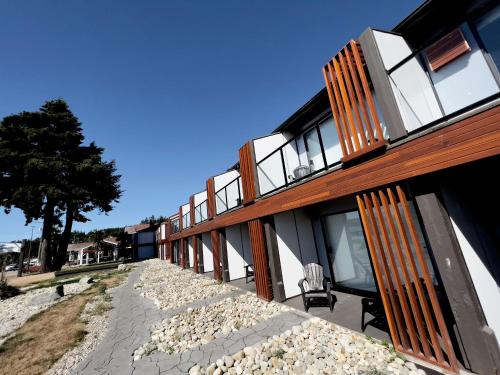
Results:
x,y
247,172
260,261
210,198
215,238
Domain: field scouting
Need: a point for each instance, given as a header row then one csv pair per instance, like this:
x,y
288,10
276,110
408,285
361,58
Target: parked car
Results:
x,y
11,267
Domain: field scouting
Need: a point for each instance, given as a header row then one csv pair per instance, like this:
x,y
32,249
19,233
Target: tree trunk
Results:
x,y
45,248
60,256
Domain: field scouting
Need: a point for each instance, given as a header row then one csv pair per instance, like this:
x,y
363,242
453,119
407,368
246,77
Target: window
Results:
x,y
488,28
348,252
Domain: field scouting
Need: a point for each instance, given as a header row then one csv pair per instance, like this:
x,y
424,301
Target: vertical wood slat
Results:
x,y
408,250
195,254
260,261
378,273
428,281
191,210
215,238
354,102
347,107
339,105
349,94
355,48
415,347
210,198
359,93
336,115
247,173
403,262
390,290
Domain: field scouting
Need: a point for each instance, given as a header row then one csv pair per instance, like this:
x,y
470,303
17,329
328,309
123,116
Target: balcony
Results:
x,y
175,225
228,191
186,220
451,75
314,150
200,212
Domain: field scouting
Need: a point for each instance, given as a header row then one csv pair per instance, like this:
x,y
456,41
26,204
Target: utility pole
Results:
x,y
29,249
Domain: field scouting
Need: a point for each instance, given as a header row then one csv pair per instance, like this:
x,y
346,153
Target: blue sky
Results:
x,y
172,89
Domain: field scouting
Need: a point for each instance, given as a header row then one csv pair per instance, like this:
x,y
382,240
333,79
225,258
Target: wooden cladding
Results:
x,y
447,49
195,254
215,238
247,173
210,198
352,104
410,300
182,252
191,210
260,261
170,251
181,221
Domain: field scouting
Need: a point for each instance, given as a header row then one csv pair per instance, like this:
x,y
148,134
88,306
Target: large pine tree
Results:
x,y
46,171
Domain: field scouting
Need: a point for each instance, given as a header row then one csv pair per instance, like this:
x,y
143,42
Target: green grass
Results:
x,y
54,282
279,353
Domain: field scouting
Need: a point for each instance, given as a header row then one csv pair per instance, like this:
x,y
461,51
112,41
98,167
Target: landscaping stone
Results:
x,y
315,347
199,326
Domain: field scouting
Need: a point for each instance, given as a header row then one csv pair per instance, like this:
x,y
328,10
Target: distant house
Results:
x,y
89,252
142,240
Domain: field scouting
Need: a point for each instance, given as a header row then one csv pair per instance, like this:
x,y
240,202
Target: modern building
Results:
x,y
388,178
142,241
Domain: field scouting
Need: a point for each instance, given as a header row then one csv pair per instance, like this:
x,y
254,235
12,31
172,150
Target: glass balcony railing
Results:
x,y
186,220
432,82
201,212
313,151
229,196
175,226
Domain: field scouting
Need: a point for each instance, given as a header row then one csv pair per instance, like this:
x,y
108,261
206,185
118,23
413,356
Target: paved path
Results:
x,y
130,321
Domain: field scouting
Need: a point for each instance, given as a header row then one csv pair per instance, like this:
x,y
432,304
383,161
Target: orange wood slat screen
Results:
x,y
353,107
413,312
447,49
195,254
247,173
210,198
216,254
260,262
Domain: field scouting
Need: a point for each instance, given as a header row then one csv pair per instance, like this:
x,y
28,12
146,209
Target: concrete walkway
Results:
x,y
130,322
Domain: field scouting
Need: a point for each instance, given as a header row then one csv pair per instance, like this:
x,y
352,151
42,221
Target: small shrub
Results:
x,y
279,353
8,291
101,308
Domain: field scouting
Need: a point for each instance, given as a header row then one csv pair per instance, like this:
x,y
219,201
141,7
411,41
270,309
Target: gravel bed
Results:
x,y
199,326
315,347
15,311
169,286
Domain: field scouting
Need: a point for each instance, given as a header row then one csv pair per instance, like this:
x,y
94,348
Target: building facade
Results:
x,y
386,177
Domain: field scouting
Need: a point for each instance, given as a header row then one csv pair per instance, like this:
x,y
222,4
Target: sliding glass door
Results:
x,y
348,254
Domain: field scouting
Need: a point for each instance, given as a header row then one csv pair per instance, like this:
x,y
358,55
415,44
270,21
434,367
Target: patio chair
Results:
x,y
249,273
374,307
315,288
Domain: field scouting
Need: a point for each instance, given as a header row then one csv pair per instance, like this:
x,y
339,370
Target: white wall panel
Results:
x,y
190,252
238,248
208,259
